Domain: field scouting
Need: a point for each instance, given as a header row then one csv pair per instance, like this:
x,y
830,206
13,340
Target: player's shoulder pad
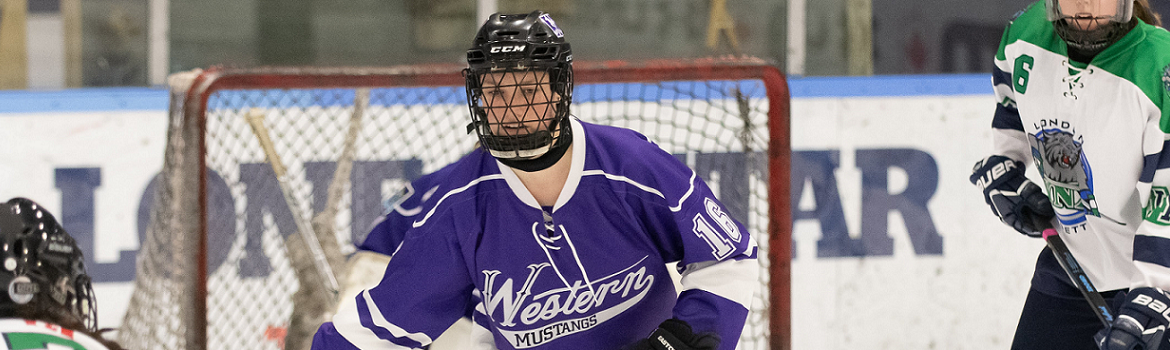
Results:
x,y
1029,25
1021,12
1026,15
629,142
1035,6
594,131
624,151
633,157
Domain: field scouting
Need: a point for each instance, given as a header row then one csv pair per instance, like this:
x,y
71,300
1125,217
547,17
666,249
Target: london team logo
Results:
x,y
1057,150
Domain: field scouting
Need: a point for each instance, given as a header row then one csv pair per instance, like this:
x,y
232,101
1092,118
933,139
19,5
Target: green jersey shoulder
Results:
x,y
1141,57
21,334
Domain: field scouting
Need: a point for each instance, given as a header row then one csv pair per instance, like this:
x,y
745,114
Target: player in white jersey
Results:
x,y
556,233
49,303
1083,88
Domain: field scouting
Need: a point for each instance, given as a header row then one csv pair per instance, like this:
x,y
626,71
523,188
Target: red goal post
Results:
x,y
213,271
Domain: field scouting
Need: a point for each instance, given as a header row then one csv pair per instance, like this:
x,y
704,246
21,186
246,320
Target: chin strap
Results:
x,y
1081,43
545,161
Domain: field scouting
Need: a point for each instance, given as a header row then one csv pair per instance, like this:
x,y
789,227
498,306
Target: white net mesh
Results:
x,y
719,126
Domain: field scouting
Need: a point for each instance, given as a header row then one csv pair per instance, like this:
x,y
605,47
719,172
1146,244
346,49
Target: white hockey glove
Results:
x,y
1018,202
1141,323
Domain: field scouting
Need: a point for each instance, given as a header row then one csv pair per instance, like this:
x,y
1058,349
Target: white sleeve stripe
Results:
x,y
423,221
752,247
1152,275
1002,91
1011,143
735,280
349,326
381,322
648,189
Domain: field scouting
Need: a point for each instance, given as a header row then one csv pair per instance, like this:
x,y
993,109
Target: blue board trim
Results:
x,y
115,99
83,100
891,86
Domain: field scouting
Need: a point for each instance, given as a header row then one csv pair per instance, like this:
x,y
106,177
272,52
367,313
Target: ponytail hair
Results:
x,y
1142,10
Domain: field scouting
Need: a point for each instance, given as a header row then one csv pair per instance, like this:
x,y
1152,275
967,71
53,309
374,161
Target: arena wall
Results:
x,y
893,247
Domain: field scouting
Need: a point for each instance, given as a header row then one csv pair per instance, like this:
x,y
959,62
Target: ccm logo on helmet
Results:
x,y
506,49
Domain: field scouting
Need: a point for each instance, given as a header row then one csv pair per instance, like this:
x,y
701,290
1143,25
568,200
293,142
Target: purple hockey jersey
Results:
x,y
588,273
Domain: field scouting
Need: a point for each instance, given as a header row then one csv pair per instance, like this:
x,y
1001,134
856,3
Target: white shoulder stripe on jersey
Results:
x,y
688,194
423,221
648,189
624,179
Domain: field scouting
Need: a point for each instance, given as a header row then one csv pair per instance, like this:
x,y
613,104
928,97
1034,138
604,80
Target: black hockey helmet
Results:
x,y
43,269
526,53
1090,25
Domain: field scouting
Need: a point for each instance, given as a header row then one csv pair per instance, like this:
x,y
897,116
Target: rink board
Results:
x,y
913,250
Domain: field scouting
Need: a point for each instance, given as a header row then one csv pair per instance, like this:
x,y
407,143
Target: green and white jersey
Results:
x,y
1097,133
21,334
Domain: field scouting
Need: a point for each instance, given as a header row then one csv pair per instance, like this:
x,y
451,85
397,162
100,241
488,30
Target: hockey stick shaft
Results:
x,y
1079,278
345,161
255,119
310,308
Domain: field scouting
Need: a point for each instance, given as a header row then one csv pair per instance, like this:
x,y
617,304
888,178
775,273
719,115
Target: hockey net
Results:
x,y
214,270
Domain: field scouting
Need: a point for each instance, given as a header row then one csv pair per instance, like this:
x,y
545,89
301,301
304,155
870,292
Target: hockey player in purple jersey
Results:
x,y
556,233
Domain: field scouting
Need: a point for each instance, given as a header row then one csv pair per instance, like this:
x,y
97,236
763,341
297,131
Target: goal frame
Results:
x,y
617,71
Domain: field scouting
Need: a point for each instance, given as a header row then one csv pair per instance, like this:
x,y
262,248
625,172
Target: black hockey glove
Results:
x,y
675,334
1140,323
1014,199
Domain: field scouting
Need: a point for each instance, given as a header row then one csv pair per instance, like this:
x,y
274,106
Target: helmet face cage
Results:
x,y
520,113
43,269
519,85
1090,25
85,303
